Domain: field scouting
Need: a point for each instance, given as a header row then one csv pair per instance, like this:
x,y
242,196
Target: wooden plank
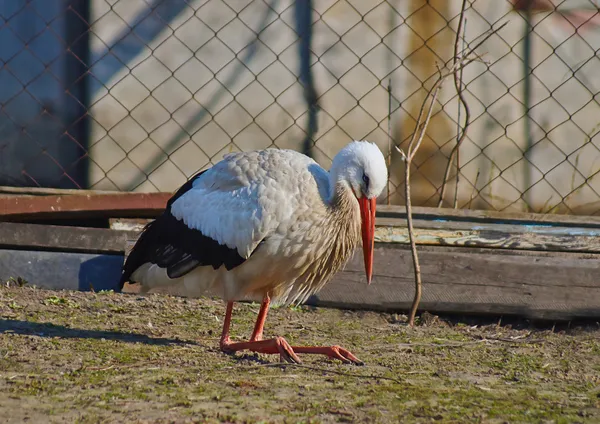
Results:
x,y
61,238
89,203
486,235
393,211
45,191
128,224
472,281
388,231
137,205
62,271
473,235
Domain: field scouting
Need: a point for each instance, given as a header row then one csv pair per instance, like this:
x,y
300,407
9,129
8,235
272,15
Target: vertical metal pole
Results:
x,y
304,29
389,155
76,120
527,180
392,17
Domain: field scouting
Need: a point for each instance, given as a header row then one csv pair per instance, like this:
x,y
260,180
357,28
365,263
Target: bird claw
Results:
x,y
344,355
286,352
334,352
272,346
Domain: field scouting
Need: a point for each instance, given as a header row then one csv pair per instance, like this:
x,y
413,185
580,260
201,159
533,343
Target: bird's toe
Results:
x,y
344,355
286,352
347,355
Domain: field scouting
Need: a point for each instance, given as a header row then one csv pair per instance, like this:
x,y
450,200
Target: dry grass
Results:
x,y
84,357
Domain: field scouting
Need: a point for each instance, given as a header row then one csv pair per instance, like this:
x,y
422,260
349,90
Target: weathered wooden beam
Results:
x,y
128,224
63,239
93,204
473,281
393,211
388,230
137,205
45,191
474,235
486,235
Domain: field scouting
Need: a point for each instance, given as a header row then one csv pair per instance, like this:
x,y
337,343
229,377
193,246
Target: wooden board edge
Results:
x,y
585,241
422,212
49,191
90,203
136,205
63,238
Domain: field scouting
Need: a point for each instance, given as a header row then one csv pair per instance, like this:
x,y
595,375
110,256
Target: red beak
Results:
x,y
367,213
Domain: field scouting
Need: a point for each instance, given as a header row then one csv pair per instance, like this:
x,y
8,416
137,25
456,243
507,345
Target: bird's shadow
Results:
x,y
39,329
46,329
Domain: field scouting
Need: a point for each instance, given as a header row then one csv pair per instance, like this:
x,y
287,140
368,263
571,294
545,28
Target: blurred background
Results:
x,y
139,95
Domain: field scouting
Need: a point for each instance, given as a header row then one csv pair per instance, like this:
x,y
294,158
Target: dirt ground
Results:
x,y
105,357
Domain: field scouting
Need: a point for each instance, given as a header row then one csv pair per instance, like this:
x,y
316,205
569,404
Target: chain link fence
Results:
x,y
138,95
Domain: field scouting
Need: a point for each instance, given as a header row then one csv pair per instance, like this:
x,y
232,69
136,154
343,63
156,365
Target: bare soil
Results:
x,y
106,357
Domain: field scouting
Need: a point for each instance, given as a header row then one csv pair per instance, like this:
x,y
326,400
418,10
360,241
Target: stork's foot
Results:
x,y
334,352
272,346
278,345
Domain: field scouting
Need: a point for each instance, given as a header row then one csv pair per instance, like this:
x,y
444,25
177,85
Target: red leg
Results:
x,y
226,324
257,334
278,344
272,346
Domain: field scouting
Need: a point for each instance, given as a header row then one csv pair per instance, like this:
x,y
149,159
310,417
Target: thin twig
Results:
x,y
413,147
458,84
486,36
457,59
413,247
474,189
458,62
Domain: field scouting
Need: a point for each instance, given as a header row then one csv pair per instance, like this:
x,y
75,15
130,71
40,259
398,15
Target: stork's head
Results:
x,y
362,167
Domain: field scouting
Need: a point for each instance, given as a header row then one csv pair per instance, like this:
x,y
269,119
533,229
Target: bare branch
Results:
x,y
413,149
413,246
486,36
458,85
399,150
459,62
474,189
425,113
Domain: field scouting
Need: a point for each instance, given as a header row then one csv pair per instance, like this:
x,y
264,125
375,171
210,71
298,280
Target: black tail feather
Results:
x,y
139,254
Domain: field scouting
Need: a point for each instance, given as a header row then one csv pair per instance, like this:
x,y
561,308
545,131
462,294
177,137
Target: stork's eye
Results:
x,y
366,180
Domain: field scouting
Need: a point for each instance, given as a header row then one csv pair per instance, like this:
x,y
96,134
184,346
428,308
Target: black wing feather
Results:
x,y
169,243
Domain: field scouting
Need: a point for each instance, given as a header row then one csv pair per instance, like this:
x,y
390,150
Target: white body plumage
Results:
x,y
288,224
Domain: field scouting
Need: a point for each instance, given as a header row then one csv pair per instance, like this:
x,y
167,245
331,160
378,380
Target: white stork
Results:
x,y
267,225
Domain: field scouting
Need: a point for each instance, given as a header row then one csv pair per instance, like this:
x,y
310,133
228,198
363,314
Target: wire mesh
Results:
x,y
140,95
